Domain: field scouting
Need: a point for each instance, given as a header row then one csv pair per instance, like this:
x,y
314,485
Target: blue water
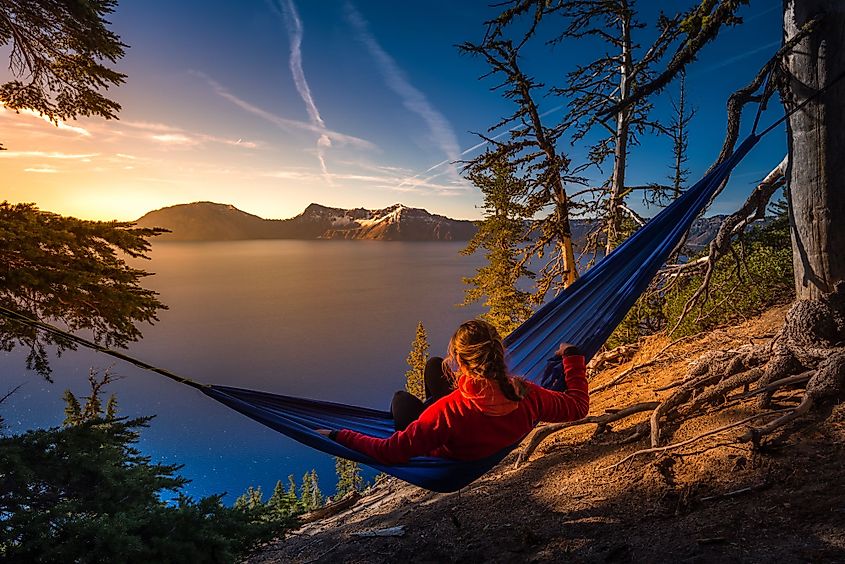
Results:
x,y
332,320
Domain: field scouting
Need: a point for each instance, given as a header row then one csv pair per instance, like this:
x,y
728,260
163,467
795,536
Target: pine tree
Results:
x,y
279,503
311,497
316,495
348,477
51,513
417,358
58,48
292,496
252,499
73,411
501,234
111,408
71,270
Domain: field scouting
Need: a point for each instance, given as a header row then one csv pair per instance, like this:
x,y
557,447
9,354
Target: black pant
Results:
x,y
406,408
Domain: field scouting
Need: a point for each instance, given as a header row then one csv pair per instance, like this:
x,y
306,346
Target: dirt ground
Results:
x,y
714,500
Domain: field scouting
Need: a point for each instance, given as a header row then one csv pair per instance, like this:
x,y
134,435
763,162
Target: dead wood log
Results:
x,y
614,356
331,509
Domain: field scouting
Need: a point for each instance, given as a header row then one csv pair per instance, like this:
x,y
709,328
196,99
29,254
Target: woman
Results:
x,y
484,411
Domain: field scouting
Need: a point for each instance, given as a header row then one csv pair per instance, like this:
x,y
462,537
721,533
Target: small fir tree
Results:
x,y
311,497
501,234
417,358
348,477
292,496
252,499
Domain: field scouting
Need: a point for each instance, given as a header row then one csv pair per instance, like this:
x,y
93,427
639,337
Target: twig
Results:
x,y
694,439
325,552
397,531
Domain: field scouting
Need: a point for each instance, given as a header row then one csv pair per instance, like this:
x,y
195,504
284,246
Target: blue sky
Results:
x,y
271,105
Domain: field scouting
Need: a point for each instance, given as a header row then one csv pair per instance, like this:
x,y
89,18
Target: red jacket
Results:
x,y
461,425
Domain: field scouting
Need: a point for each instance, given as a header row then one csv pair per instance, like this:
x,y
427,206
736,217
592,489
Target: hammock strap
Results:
x,y
800,106
764,100
47,328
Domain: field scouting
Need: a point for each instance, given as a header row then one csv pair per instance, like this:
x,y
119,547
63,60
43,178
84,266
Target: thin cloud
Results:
x,y
473,148
731,60
284,123
173,139
43,169
374,178
170,135
412,98
293,23
61,125
46,155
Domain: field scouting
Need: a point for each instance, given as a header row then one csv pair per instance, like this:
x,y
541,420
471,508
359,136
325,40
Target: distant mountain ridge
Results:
x,y
208,221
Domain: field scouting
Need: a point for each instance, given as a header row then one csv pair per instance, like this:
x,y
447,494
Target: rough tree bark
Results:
x,y
816,137
620,151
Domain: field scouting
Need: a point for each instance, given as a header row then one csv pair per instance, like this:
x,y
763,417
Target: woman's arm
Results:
x,y
569,405
418,439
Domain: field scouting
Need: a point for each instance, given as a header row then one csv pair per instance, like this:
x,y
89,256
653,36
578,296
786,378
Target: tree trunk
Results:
x,y
565,241
620,138
816,137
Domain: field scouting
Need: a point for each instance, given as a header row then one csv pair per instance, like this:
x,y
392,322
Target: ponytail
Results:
x,y
480,348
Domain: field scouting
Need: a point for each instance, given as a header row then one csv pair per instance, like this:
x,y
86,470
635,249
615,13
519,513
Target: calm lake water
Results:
x,y
332,320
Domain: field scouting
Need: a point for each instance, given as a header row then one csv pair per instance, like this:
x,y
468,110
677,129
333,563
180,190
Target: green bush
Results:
x,y
736,292
764,279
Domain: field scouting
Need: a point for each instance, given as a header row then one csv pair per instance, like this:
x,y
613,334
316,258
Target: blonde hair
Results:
x,y
479,347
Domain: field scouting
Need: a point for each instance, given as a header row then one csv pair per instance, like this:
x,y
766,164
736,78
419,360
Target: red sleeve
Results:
x,y
418,439
571,404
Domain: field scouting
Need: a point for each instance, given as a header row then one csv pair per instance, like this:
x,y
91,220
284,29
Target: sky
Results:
x,y
270,105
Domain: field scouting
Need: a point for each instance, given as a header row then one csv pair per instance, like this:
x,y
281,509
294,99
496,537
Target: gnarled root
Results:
x,y
601,420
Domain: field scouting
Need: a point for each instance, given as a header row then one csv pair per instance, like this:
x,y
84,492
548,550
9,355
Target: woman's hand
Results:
x,y
567,349
325,432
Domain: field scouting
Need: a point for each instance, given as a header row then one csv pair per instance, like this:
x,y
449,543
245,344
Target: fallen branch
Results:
x,y
735,493
397,531
694,439
619,354
601,420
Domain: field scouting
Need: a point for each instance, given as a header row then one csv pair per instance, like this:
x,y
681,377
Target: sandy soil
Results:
x,y
711,501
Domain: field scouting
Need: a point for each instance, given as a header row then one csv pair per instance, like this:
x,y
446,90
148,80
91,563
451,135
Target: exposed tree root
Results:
x,y
692,440
601,420
807,349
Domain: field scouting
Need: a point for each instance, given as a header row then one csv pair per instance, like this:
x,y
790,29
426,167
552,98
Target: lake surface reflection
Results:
x,y
332,320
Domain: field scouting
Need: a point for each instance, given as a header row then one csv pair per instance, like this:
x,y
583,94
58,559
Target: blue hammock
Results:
x,y
586,313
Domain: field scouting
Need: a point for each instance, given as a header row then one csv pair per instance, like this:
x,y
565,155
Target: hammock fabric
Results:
x,y
586,314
